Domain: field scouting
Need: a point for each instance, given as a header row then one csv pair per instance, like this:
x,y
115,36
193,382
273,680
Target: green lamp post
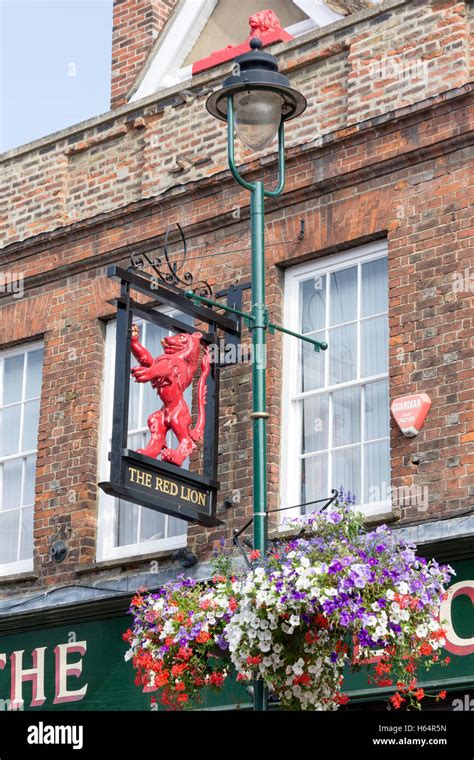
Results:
x,y
256,100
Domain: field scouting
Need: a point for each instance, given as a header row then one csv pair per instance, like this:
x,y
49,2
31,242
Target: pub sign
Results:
x,y
156,475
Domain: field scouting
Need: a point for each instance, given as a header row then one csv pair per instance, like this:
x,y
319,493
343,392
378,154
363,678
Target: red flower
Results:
x,y
442,695
185,653
233,604
382,667
179,686
162,678
176,670
419,694
396,701
341,699
447,660
426,648
254,555
254,660
216,679
304,679
183,697
321,621
202,637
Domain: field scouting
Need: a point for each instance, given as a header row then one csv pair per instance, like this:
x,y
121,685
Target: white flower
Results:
x,y
421,631
390,594
403,587
298,667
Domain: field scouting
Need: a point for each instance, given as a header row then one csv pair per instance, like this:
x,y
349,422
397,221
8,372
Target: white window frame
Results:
x,y
291,422
24,565
165,67
106,503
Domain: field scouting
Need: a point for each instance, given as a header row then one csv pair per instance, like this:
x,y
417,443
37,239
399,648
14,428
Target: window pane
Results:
x,y
13,379
313,364
133,401
138,440
127,523
34,366
374,287
377,471
342,354
30,425
313,304
153,525
153,337
315,423
374,349
346,416
151,403
9,523
346,470
26,528
343,295
11,484
10,430
30,476
176,527
314,483
377,423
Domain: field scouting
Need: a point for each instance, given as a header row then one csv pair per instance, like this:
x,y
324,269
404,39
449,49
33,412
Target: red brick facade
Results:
x,y
378,154
136,25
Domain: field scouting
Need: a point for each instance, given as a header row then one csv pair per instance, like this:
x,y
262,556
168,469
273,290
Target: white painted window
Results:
x,y
127,529
336,405
20,389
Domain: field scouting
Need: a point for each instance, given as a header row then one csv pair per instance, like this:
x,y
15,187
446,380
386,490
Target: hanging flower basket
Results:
x,y
177,641
311,607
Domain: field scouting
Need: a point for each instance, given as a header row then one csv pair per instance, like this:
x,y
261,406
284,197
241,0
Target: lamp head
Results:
x,y
262,97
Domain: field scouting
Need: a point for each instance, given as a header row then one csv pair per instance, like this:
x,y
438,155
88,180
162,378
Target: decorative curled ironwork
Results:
x,y
167,271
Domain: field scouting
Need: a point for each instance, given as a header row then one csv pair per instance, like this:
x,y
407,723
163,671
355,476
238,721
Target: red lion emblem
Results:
x,y
170,374
263,21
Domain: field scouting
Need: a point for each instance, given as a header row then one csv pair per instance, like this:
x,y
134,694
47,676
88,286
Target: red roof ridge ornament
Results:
x,y
264,25
410,412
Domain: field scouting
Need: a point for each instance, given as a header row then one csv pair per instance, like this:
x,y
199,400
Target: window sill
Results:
x,y
134,559
371,522
18,577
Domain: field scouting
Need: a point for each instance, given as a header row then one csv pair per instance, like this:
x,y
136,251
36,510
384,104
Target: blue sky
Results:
x,y
54,65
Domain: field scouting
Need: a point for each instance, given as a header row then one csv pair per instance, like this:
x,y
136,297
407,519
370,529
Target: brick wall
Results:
x,y
136,25
91,196
154,147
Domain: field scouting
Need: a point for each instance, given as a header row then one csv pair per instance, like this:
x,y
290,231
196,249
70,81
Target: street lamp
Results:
x,y
261,98
256,100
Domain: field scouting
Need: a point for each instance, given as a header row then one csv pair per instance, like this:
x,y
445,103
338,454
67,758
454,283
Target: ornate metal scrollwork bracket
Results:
x,y
169,272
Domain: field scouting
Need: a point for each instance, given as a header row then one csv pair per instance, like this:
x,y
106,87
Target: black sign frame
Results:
x,y
140,479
